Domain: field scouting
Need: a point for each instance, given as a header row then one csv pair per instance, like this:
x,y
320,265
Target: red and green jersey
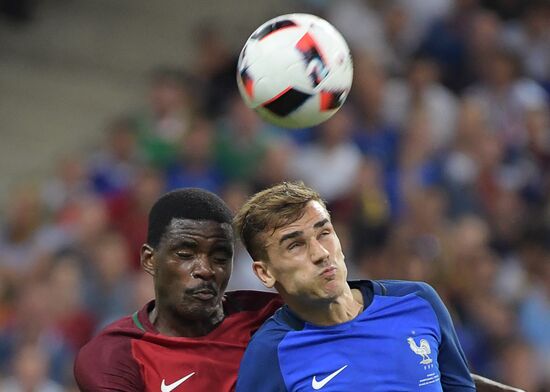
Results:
x,y
131,355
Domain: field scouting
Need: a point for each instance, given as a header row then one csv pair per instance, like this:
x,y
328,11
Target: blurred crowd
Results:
x,y
437,168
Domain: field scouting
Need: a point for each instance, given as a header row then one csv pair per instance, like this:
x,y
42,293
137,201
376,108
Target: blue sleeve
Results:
x,y
259,370
455,375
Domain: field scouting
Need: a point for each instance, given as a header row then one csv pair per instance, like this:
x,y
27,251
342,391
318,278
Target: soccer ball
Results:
x,y
295,70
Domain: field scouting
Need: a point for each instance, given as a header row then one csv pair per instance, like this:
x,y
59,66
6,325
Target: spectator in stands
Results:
x,y
242,141
127,212
30,372
113,167
332,161
164,123
196,165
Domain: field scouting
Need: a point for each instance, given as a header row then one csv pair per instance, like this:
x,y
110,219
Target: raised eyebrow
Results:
x,y
291,235
321,223
298,233
184,243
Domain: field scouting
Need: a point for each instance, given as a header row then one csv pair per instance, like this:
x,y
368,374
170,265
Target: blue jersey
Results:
x,y
404,340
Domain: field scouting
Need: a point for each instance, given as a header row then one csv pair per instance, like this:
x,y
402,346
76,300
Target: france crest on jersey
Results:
x,y
404,340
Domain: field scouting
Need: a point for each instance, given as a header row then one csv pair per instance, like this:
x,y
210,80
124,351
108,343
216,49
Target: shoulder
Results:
x,y
400,288
394,288
106,360
421,290
262,353
265,341
274,330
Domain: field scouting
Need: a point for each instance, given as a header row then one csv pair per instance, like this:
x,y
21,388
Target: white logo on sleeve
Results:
x,y
423,350
175,384
320,384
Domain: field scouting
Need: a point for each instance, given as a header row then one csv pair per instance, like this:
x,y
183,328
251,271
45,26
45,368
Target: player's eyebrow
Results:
x,y
298,233
288,236
321,223
183,243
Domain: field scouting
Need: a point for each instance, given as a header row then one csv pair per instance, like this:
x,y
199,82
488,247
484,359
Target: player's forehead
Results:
x,y
313,214
180,228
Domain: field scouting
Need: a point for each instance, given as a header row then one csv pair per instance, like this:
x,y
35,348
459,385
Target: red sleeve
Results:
x,y
106,364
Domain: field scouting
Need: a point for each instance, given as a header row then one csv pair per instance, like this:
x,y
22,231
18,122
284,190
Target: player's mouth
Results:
x,y
204,294
329,272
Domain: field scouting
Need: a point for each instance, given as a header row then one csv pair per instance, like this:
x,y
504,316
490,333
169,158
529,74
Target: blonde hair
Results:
x,y
271,209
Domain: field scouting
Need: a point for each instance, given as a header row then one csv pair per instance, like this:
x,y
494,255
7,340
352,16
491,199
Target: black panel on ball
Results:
x,y
270,28
287,102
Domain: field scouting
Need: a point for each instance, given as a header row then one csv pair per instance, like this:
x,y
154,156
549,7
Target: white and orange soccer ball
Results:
x,y
295,70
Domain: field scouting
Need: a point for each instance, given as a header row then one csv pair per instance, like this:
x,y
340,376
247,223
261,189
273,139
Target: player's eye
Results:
x,y
294,245
222,259
184,255
324,233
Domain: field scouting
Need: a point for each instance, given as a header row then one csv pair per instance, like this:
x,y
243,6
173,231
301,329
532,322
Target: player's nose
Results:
x,y
318,253
203,269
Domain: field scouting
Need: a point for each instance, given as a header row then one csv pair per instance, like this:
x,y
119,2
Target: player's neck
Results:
x,y
172,325
337,311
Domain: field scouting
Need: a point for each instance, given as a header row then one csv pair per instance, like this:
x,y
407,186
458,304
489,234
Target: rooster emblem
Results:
x,y
424,350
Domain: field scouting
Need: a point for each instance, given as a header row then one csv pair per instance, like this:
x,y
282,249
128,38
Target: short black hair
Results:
x,y
185,203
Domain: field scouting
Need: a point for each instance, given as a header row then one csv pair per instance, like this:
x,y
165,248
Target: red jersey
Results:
x,y
131,355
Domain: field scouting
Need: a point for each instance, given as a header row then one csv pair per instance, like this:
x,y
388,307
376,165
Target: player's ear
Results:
x,y
261,269
147,262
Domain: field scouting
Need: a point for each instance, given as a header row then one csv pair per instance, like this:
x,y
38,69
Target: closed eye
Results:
x,y
222,259
294,245
325,233
185,255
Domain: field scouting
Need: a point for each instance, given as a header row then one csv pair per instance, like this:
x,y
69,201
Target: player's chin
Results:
x,y
333,288
202,310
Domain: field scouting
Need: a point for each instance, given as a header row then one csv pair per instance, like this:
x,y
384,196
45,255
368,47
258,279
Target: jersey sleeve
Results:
x,y
106,364
455,375
259,370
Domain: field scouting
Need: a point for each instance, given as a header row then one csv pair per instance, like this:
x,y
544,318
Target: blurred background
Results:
x,y
437,168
